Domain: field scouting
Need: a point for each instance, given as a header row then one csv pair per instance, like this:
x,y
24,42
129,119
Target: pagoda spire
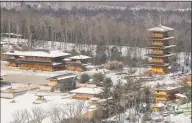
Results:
x,y
160,20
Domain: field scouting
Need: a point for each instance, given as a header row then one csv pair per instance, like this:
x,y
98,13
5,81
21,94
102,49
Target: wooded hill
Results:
x,y
80,25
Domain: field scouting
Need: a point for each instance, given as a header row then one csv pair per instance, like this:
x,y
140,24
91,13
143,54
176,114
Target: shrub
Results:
x,y
84,78
52,89
98,77
107,82
113,65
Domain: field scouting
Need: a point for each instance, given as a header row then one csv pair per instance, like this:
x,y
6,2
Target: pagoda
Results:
x,y
160,49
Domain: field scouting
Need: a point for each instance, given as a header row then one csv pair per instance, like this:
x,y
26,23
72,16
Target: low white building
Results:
x,y
86,93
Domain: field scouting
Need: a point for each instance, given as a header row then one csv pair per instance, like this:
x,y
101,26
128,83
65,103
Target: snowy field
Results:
x,y
178,118
26,102
181,118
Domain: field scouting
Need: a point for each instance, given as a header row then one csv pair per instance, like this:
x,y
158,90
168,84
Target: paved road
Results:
x,y
16,75
25,79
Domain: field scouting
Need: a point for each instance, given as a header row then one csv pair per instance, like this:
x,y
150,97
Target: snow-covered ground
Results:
x,y
13,40
181,118
26,102
13,43
122,118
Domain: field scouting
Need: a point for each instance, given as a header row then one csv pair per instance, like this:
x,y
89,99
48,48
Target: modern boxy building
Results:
x,y
160,49
44,60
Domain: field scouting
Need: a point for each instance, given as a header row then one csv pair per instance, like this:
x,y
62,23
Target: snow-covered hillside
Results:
x,y
140,52
13,43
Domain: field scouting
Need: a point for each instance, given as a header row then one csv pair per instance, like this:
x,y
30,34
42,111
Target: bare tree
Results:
x,y
56,114
21,116
37,115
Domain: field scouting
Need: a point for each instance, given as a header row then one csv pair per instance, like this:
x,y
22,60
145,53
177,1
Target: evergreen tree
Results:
x,y
101,56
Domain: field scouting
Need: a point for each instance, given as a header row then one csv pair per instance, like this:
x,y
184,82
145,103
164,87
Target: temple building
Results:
x,y
77,63
44,60
85,93
66,80
160,49
166,93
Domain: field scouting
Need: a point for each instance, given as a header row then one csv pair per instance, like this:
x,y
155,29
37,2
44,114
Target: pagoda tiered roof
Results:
x,y
160,47
160,28
161,39
159,55
157,64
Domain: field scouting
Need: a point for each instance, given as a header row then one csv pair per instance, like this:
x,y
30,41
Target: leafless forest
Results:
x,y
98,23
85,26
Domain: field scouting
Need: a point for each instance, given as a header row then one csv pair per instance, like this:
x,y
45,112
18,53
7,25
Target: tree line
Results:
x,y
82,26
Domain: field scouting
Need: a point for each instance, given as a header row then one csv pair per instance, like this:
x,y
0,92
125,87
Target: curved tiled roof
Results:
x,y
160,28
51,54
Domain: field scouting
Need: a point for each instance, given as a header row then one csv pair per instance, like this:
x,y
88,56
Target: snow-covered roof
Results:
x,y
168,88
3,74
80,57
160,55
84,90
55,63
2,42
51,54
66,77
160,28
159,105
93,107
95,99
163,39
6,87
14,34
157,64
63,76
160,47
66,59
180,95
86,85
